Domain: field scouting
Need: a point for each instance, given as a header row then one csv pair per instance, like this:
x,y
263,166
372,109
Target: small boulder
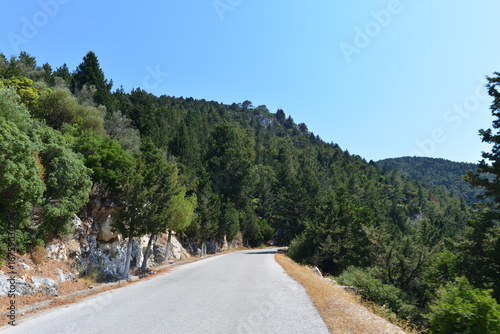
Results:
x,y
316,271
65,277
351,289
46,286
21,288
25,266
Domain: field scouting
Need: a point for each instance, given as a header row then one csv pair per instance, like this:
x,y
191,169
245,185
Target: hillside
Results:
x,y
113,170
436,172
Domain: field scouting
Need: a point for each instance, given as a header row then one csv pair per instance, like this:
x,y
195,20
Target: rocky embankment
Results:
x,y
93,249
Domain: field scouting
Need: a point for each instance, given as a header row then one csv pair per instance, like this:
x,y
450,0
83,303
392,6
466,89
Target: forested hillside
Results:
x,y
210,171
436,172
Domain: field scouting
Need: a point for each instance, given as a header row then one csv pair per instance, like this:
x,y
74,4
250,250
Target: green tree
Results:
x,y
110,163
67,182
58,106
21,185
63,73
181,211
134,209
89,72
208,211
119,128
12,110
482,244
229,160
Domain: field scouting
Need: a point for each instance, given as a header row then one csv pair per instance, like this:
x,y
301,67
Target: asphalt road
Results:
x,y
241,292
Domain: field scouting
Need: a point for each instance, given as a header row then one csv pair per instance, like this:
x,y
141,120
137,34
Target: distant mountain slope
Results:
x,y
436,172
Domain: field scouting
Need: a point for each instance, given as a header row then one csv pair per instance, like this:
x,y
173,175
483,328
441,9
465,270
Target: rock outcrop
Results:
x,y
96,248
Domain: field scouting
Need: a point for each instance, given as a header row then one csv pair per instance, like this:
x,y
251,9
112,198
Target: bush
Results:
x,y
67,181
374,290
38,254
12,110
21,187
58,106
301,249
460,308
109,162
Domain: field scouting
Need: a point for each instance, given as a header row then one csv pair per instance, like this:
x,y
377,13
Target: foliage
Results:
x,y
21,185
110,163
58,106
212,171
460,308
25,89
481,245
375,290
436,172
67,181
12,110
119,128
89,72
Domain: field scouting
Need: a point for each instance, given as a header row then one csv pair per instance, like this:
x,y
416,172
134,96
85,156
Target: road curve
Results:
x,y
240,292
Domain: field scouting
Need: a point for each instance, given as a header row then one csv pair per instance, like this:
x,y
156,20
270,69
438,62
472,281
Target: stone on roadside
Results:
x,y
316,271
46,286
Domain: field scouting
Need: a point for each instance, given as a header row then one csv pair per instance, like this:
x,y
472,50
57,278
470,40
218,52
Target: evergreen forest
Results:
x,y
210,171
437,172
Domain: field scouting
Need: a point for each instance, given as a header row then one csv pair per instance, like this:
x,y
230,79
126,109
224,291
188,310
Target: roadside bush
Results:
x,y
374,290
460,308
38,255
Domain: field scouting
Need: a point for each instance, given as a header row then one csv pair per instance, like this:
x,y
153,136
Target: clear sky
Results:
x,y
382,78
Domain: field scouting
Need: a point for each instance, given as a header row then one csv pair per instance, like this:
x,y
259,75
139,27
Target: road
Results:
x,y
240,292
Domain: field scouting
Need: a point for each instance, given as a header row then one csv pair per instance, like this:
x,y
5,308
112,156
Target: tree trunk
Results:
x,y
202,248
169,239
148,251
129,254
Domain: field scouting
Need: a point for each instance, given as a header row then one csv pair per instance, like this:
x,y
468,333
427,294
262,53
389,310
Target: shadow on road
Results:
x,y
262,253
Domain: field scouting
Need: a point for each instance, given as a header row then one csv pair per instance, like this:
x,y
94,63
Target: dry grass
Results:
x,y
341,311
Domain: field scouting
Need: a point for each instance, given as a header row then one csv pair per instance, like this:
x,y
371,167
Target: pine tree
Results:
x,y
89,72
481,249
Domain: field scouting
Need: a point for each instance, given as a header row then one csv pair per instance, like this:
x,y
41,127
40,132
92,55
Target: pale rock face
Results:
x,y
176,250
45,285
106,232
73,248
57,251
65,277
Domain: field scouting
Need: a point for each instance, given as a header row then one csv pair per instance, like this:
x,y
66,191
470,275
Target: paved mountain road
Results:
x,y
240,292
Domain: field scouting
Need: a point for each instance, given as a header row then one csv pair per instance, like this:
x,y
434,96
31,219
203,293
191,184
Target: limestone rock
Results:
x,y
57,251
106,232
25,266
46,286
73,248
65,277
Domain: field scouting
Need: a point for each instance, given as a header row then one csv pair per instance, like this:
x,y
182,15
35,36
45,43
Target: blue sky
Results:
x,y
381,78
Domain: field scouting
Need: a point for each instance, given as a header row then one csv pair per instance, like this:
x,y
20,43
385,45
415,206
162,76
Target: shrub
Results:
x,y
38,254
67,181
374,290
460,308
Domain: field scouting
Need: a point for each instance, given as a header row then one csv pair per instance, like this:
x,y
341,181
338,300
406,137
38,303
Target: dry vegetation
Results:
x,y
342,312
